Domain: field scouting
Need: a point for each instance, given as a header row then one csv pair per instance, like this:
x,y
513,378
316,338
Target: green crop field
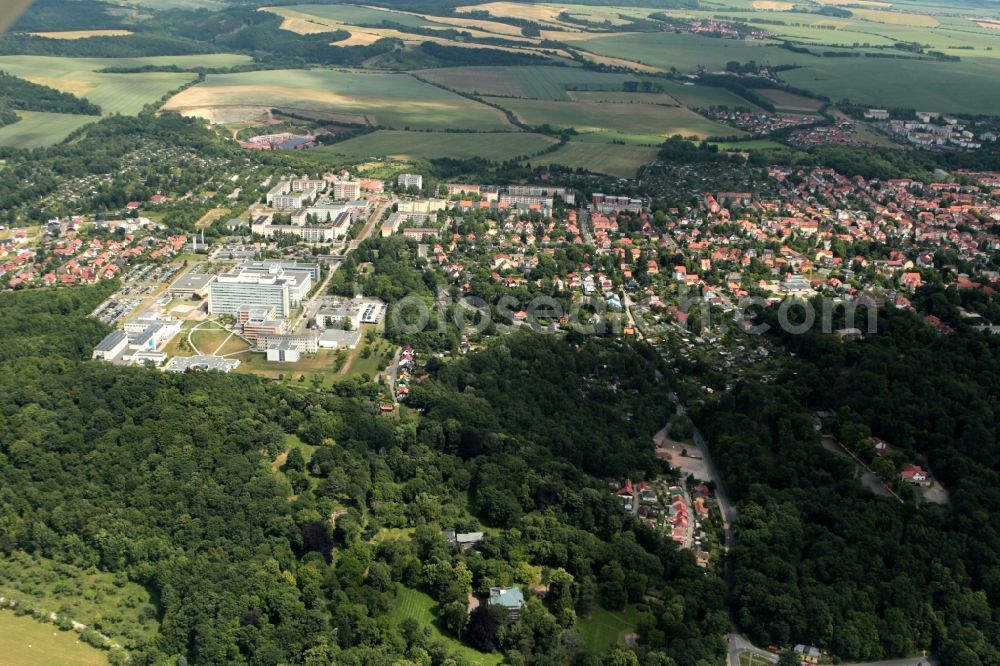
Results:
x,y
28,642
605,629
429,145
115,93
38,130
956,87
697,96
541,82
611,159
649,119
396,100
414,604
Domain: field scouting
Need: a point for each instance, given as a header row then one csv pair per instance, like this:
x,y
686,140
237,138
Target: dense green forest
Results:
x,y
167,480
22,95
819,559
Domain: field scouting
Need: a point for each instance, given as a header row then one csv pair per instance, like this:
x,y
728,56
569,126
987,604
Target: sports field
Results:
x,y
429,145
395,100
608,158
536,82
25,641
414,604
648,119
114,93
38,130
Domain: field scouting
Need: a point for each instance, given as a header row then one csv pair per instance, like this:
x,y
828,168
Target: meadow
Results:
x,y
38,130
414,604
612,159
395,100
641,118
28,642
117,607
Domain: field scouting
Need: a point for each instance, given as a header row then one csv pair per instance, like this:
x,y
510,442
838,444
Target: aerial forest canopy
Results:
x,y
168,481
819,559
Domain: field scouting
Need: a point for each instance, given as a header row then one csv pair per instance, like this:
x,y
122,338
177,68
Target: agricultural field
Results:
x,y
126,94
790,102
957,86
394,100
649,119
27,642
356,15
536,82
687,53
605,629
698,96
38,130
414,604
612,159
412,146
82,34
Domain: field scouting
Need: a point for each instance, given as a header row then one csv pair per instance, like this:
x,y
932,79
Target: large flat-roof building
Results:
x,y
191,285
261,285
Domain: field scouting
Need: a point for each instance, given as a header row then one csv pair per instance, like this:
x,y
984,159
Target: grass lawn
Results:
x,y
38,130
403,145
321,363
27,642
650,119
604,628
208,337
612,159
414,604
395,100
